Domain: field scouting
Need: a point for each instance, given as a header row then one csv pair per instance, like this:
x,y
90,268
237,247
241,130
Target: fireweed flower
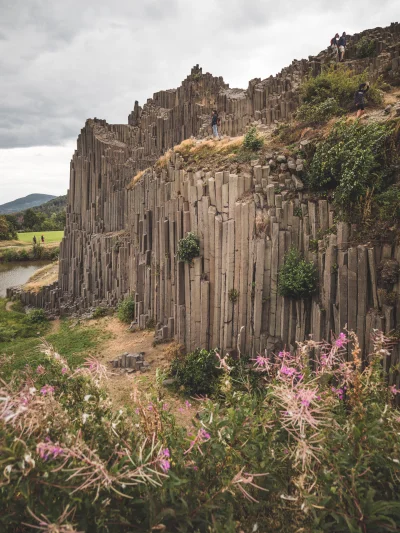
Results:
x,y
394,390
48,450
164,459
40,370
64,370
188,404
341,340
47,389
262,364
201,437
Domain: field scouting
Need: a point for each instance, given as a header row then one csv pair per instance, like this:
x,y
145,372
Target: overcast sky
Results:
x,y
62,62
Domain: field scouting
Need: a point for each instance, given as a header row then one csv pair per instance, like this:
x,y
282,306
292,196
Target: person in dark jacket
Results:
x,y
359,98
334,47
215,122
342,46
34,239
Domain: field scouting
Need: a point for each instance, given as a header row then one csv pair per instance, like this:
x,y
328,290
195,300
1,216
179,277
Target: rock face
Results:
x,y
121,237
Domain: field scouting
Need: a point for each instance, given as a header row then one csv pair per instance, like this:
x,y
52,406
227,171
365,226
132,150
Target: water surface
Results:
x,y
17,273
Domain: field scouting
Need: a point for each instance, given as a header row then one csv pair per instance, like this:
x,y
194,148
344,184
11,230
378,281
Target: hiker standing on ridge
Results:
x,y
359,98
215,122
342,46
34,239
334,47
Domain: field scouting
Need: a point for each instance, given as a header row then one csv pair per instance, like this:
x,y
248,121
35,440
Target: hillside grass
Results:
x,y
75,341
49,236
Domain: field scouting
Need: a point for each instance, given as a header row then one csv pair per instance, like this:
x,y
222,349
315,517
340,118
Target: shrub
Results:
x,y
354,158
196,372
36,316
332,93
252,140
388,204
126,310
99,312
365,47
297,277
319,112
188,248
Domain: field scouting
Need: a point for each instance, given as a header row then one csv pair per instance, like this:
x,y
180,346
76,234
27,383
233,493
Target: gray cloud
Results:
x,y
62,62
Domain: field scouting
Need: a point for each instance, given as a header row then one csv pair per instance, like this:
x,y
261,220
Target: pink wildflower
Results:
x,y
166,453
341,340
188,404
64,370
165,464
287,371
283,354
201,437
47,389
394,390
48,450
204,435
40,370
165,406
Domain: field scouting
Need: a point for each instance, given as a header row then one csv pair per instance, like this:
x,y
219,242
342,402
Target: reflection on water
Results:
x,y
17,273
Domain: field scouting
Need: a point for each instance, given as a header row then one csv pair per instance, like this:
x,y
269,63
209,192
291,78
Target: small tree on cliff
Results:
x,y
297,277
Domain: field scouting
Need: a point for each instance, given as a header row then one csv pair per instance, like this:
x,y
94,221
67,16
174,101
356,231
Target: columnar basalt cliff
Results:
x,y
121,237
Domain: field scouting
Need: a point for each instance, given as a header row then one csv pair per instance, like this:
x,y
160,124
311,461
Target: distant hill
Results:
x,y
56,205
20,204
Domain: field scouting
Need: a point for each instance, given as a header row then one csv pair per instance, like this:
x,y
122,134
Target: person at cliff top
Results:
x,y
334,46
342,46
42,238
359,98
34,239
215,122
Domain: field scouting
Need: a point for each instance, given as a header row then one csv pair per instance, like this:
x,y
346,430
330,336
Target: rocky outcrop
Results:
x,y
122,239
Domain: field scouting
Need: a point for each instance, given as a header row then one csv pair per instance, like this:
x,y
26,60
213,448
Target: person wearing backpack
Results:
x,y
334,47
342,46
359,98
215,122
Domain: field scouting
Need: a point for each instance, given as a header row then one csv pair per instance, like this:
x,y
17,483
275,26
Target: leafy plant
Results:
x,y
36,316
365,47
126,310
99,312
318,112
233,295
252,140
354,158
297,277
196,372
189,248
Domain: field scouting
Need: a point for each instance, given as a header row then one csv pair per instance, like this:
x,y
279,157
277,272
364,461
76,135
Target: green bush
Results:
x,y
188,248
36,316
252,141
196,372
354,158
388,204
99,312
297,277
126,310
365,47
331,93
319,112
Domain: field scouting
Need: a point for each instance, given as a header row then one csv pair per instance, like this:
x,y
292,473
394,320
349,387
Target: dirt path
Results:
x,y
121,385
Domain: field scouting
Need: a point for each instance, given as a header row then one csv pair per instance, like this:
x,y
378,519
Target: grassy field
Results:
x,y
49,236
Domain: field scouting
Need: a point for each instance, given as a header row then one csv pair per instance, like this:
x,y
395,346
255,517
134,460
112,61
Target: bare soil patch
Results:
x,y
121,385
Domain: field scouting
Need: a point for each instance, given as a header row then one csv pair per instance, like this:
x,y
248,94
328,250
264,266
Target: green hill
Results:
x,y
20,204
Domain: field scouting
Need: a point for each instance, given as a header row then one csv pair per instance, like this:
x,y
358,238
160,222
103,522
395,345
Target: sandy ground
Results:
x,y
121,385
43,276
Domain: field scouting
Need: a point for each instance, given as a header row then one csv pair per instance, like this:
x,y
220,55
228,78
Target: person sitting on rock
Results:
x,y
215,122
342,46
359,98
334,47
34,239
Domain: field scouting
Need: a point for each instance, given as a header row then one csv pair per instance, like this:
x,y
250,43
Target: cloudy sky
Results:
x,y
62,61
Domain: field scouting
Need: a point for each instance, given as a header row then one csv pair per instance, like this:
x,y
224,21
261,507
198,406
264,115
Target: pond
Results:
x,y
17,273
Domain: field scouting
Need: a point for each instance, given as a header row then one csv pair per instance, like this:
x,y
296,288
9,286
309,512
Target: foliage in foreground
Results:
x,y
355,159
252,141
331,93
297,278
126,310
310,450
